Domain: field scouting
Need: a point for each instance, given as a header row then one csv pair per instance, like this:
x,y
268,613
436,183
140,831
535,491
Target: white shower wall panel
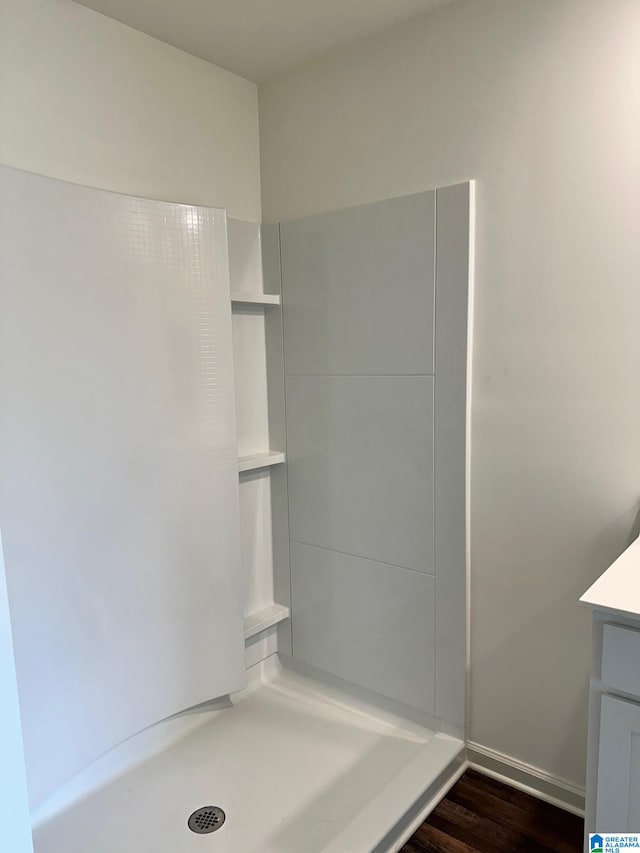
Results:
x,y
256,544
250,373
359,289
119,488
365,622
360,452
249,346
375,309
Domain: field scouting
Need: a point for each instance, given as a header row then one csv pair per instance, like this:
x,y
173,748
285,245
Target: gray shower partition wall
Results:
x,y
368,388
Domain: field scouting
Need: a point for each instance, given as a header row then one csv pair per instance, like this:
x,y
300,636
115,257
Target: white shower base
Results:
x,y
297,767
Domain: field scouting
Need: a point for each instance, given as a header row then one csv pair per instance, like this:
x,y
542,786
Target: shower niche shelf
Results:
x,y
255,461
264,299
264,618
259,386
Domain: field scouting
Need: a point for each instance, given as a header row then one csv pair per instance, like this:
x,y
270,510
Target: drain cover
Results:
x,y
206,820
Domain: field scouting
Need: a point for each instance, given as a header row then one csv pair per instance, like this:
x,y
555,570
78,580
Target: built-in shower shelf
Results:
x,y
260,460
264,618
255,299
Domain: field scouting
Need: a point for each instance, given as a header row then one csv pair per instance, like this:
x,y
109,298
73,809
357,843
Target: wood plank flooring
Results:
x,y
481,815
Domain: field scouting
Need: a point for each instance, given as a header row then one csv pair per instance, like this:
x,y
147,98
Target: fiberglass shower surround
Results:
x,y
141,689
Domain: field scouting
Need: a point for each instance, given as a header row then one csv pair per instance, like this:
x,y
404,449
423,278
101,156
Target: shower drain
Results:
x,y
206,820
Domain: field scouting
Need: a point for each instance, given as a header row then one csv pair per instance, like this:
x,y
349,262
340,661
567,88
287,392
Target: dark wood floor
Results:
x,y
480,815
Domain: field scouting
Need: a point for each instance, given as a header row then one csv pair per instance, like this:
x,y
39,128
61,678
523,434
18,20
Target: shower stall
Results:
x,y
233,507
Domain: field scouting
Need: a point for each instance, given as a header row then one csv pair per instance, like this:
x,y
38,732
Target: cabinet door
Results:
x,y
618,795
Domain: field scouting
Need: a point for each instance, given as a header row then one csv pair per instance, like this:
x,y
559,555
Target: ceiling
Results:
x,y
260,38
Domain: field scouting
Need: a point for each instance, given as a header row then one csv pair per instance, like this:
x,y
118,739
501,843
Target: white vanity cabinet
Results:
x,y
613,762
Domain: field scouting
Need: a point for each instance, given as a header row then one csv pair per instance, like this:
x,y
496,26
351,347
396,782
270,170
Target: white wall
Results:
x,y
539,100
86,99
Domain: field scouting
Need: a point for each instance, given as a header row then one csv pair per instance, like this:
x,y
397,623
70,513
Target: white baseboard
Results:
x,y
525,777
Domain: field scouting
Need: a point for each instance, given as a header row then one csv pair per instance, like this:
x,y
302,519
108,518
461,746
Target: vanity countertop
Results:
x,y
618,589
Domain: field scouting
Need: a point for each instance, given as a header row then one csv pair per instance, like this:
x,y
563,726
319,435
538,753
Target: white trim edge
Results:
x,y
526,777
434,796
471,296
